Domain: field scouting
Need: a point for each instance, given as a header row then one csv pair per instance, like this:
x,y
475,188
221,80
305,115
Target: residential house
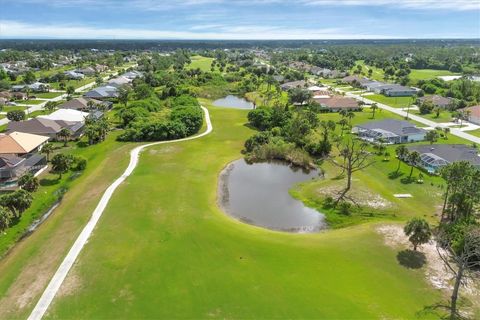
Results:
x,y
19,96
74,75
100,93
88,71
293,84
35,87
355,80
66,115
83,104
435,156
436,100
101,68
46,127
119,82
132,74
390,131
6,95
18,155
395,90
473,114
338,103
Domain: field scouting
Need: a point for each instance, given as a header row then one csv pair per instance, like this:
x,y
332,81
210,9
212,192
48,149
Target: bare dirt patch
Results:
x,y
436,272
361,197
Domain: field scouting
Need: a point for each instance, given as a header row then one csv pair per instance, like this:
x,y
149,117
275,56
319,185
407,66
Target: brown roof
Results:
x,y
20,142
5,94
437,100
78,103
474,111
338,102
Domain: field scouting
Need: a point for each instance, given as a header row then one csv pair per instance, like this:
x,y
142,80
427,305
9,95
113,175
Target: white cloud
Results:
x,y
459,5
16,29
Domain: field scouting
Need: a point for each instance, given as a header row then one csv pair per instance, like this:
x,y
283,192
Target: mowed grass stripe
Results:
x,y
163,249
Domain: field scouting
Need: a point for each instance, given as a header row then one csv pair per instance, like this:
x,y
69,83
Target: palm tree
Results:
x,y
350,116
64,134
47,149
432,136
418,232
402,153
446,131
342,122
374,108
413,159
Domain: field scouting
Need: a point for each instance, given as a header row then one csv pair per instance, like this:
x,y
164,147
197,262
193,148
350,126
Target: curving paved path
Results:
x,y
62,271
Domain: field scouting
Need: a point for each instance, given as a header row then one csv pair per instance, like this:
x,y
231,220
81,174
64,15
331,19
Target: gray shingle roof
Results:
x,y
450,152
398,127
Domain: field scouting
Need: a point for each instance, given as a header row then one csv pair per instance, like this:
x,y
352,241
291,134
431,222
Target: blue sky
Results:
x,y
239,19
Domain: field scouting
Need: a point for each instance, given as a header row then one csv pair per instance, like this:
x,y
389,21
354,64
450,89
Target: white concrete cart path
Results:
x,y
67,263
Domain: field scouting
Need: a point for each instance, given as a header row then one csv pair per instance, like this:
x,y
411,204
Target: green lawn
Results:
x,y
47,246
30,102
75,83
163,249
204,63
474,132
425,74
377,73
12,108
396,102
48,95
445,116
39,113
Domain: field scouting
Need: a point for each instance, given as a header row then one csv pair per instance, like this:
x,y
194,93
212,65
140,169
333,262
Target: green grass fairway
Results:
x,y
396,102
163,249
425,74
204,63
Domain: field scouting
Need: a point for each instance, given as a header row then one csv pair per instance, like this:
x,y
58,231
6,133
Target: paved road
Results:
x,y
455,131
59,276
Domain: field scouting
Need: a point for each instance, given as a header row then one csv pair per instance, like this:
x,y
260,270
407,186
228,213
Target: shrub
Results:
x,y
16,115
345,208
80,163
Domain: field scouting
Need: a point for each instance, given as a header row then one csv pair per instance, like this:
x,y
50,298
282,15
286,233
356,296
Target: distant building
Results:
x,y
338,103
35,87
435,156
390,131
436,100
100,93
293,84
119,81
88,71
74,75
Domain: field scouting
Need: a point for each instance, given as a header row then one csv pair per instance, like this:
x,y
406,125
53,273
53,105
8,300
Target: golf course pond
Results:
x,y
258,194
231,101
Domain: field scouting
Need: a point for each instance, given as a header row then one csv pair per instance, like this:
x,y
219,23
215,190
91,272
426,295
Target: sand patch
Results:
x,y
436,272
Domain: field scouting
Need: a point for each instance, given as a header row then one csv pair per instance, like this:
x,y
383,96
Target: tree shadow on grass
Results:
x,y
82,144
48,182
411,259
394,175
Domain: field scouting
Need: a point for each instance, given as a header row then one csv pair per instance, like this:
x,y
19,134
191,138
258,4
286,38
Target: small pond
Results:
x,y
233,102
258,194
